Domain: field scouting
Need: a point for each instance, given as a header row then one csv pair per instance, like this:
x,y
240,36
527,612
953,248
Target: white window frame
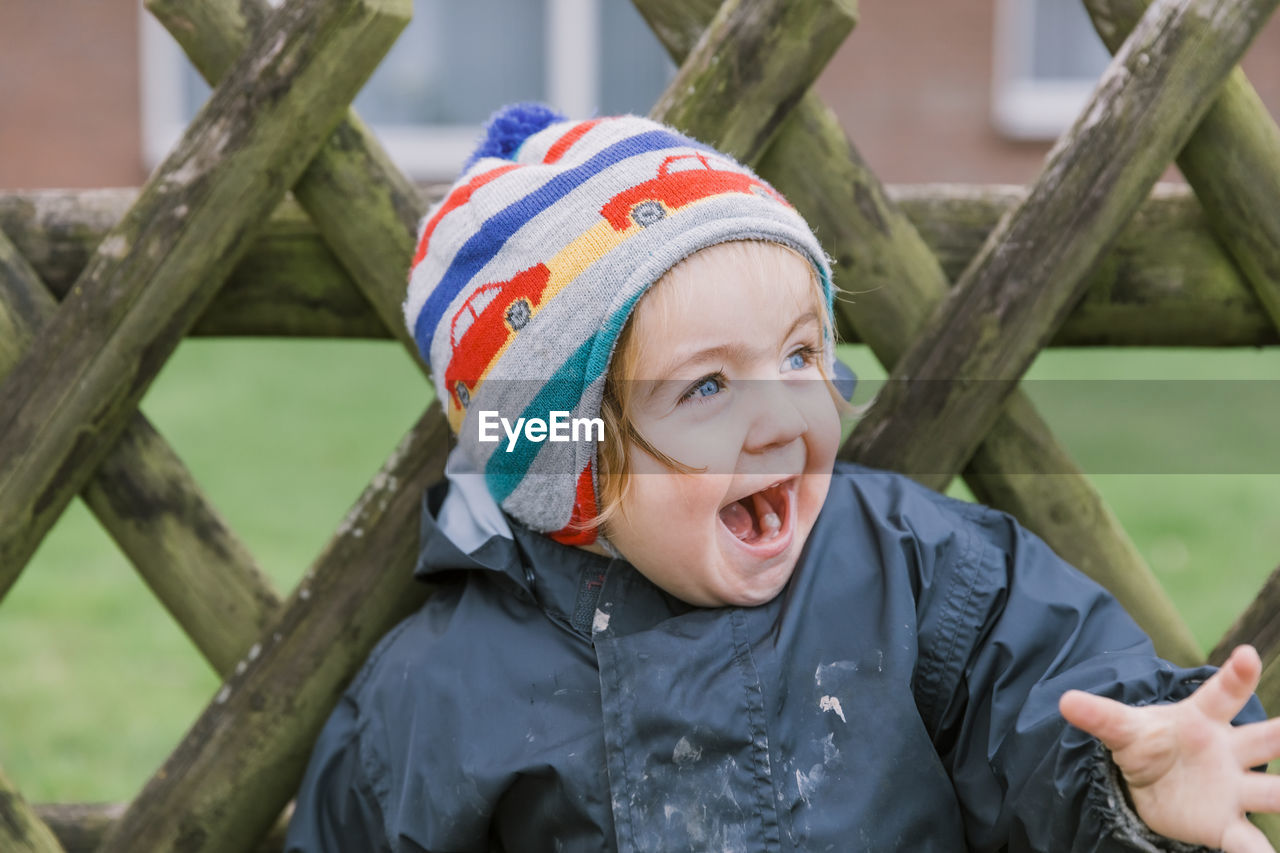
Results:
x,y
424,152
1022,106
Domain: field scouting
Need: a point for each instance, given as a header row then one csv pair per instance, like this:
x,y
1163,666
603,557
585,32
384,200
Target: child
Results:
x,y
685,626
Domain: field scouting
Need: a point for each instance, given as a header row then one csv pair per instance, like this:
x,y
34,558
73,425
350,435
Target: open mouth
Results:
x,y
761,517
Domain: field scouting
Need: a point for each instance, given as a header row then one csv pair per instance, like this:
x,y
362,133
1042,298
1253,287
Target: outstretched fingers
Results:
x,y
1224,694
1243,837
1257,743
1260,792
1109,721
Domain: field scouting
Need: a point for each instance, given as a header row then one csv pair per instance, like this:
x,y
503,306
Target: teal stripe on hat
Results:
x,y
562,392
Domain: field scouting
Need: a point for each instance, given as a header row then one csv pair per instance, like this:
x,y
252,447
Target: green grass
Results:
x,y
1211,537
99,684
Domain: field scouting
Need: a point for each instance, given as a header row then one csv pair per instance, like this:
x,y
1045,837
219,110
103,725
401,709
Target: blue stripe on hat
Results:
x,y
495,232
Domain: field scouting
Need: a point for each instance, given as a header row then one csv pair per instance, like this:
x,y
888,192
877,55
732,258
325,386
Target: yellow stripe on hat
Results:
x,y
565,266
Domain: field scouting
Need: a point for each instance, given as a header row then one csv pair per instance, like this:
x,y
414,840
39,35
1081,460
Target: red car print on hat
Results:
x,y
485,324
682,179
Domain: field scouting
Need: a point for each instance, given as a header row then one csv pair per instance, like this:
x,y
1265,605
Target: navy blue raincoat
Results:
x,y
901,693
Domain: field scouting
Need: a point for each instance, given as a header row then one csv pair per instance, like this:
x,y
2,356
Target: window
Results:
x,y
1048,58
454,64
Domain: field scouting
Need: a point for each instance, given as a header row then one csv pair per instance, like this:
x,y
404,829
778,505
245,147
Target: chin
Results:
x,y
753,584
757,597
755,562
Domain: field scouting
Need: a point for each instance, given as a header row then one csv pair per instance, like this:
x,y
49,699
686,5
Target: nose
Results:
x,y
776,417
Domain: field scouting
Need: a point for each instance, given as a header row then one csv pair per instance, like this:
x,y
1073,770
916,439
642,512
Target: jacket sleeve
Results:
x,y
336,809
392,769
1006,627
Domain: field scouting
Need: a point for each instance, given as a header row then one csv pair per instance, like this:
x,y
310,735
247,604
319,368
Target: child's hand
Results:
x,y
1186,766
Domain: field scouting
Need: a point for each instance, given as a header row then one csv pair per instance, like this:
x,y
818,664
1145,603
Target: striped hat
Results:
x,y
527,270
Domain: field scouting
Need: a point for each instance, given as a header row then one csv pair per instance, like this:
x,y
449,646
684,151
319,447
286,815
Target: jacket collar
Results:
x,y
463,530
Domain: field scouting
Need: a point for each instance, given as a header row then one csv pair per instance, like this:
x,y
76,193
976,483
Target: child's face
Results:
x,y
728,379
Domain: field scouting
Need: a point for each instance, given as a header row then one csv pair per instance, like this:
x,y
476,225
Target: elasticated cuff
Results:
x,y
1108,798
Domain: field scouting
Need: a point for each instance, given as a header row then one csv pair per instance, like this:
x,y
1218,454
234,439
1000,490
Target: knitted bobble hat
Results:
x,y
527,270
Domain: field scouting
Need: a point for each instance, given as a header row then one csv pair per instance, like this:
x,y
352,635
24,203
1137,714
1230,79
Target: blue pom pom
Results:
x,y
510,127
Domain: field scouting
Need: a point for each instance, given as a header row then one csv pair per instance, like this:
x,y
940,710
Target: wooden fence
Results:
x,y
97,289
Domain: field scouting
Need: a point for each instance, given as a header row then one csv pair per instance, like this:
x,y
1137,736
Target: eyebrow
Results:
x,y
736,350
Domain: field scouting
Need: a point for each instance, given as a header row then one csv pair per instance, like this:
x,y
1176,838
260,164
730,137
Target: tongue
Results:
x,y
769,521
737,518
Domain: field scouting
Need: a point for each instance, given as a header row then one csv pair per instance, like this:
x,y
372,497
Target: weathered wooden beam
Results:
x,y
1269,694
68,399
80,827
288,284
148,502
1166,282
1232,160
228,779
154,509
1233,163
892,280
1032,270
21,829
752,64
364,207
1258,625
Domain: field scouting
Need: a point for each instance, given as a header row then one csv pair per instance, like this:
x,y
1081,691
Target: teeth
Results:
x,y
771,524
769,521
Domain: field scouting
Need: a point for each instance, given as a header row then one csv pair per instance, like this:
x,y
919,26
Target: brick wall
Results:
x,y
912,87
69,94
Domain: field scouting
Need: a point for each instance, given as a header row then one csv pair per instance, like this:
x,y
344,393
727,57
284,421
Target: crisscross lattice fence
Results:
x,y
84,332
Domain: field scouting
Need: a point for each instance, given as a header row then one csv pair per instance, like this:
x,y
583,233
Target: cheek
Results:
x,y
830,443
707,440
657,495
824,425
666,511
714,452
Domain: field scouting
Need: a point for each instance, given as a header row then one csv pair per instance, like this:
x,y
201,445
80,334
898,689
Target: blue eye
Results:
x,y
707,386
801,358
